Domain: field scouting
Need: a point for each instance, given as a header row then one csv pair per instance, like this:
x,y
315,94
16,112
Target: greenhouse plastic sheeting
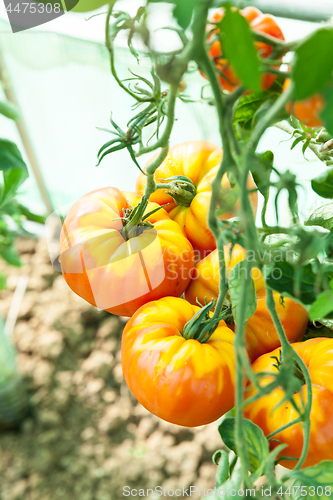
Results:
x,y
65,91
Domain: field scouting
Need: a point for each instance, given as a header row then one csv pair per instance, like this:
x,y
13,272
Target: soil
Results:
x,y
86,436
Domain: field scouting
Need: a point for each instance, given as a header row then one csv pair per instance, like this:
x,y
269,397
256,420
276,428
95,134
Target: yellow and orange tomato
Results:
x,y
260,333
269,414
199,162
113,271
184,382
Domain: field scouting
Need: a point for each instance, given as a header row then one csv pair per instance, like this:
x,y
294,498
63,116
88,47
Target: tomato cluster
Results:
x,y
138,258
134,260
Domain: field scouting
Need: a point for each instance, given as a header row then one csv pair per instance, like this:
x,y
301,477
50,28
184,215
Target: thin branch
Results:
x,y
109,46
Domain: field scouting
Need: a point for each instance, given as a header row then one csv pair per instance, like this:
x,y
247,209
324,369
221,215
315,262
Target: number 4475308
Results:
x,y
303,491
33,7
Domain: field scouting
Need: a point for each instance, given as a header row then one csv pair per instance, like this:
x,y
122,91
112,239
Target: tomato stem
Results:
x,y
202,326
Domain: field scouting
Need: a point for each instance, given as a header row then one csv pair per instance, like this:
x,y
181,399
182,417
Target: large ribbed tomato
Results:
x,y
263,23
266,412
116,272
308,110
198,161
260,333
184,382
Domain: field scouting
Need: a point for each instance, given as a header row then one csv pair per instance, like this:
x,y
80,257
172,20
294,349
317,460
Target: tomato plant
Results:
x,y
188,170
173,374
179,359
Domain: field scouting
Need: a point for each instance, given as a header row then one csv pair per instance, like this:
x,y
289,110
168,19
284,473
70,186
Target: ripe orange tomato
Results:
x,y
317,355
263,23
181,381
116,272
260,333
198,161
308,110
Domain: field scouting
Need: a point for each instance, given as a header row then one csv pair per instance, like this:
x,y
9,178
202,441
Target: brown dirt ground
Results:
x,y
86,436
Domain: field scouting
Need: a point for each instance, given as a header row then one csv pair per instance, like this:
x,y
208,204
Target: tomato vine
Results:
x,y
240,138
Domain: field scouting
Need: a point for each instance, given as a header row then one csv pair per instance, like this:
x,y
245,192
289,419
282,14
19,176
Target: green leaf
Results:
x,y
236,285
2,281
230,487
321,216
182,12
327,113
221,458
9,110
255,442
318,49
14,169
282,278
248,105
323,184
317,477
31,215
11,256
323,305
261,172
296,141
238,47
263,109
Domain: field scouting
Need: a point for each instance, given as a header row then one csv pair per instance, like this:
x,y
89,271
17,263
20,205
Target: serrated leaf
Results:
x,y
321,475
321,216
323,305
14,169
323,184
255,442
238,47
236,285
318,49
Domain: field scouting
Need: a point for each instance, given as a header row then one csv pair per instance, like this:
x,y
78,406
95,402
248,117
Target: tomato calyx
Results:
x,y
202,326
297,371
134,220
182,190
